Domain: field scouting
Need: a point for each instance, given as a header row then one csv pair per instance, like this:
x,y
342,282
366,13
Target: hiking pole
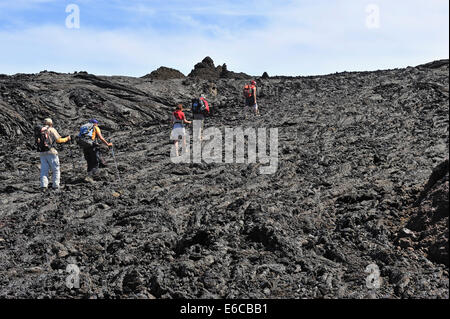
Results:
x,y
115,162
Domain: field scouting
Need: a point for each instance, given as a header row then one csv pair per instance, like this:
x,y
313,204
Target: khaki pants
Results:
x,y
199,121
50,162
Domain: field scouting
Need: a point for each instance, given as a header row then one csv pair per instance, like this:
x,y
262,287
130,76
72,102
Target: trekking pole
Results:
x,y
115,162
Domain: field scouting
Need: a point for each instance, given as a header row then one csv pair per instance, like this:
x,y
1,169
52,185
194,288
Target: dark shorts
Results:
x,y
198,116
93,157
249,101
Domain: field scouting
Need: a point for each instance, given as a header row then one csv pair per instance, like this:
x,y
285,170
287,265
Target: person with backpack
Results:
x,y
200,108
45,138
250,98
88,138
178,122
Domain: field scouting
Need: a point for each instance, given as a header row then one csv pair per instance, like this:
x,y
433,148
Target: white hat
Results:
x,y
48,121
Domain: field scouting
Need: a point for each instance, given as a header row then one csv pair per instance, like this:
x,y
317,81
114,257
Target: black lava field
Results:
x,y
362,179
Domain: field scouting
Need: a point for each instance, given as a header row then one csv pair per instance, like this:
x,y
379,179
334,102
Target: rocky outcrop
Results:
x,y
164,73
207,70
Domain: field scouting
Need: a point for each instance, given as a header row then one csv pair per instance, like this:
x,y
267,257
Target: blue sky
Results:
x,y
284,37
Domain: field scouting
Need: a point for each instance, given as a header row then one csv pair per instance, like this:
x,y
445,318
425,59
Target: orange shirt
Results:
x,y
96,132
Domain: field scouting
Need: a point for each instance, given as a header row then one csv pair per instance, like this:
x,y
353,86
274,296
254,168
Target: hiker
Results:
x,y
250,97
178,121
87,139
200,108
45,138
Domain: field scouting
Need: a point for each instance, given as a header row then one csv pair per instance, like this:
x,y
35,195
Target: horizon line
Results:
x,y
250,75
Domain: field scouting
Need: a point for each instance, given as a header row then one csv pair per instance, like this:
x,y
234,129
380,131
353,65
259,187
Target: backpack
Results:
x,y
248,90
42,139
178,118
86,130
84,138
198,106
206,111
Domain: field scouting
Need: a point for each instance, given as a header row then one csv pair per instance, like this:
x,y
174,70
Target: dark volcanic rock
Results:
x,y
428,224
355,185
207,70
435,64
164,73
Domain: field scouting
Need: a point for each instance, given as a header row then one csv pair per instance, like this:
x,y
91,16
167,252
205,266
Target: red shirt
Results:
x,y
178,116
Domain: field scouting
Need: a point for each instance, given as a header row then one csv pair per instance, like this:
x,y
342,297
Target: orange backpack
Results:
x,y
248,90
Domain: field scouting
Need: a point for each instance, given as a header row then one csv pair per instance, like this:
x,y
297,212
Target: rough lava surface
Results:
x,y
362,179
165,73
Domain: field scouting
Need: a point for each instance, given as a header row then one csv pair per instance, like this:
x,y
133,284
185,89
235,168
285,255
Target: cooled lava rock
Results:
x,y
359,183
164,73
428,226
207,70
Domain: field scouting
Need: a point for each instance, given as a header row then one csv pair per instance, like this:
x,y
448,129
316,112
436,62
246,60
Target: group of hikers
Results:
x,y
200,108
46,137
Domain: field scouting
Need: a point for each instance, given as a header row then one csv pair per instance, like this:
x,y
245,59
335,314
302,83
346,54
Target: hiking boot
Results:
x,y
89,179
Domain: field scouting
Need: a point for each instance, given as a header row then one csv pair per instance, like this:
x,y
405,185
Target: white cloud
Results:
x,y
302,38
